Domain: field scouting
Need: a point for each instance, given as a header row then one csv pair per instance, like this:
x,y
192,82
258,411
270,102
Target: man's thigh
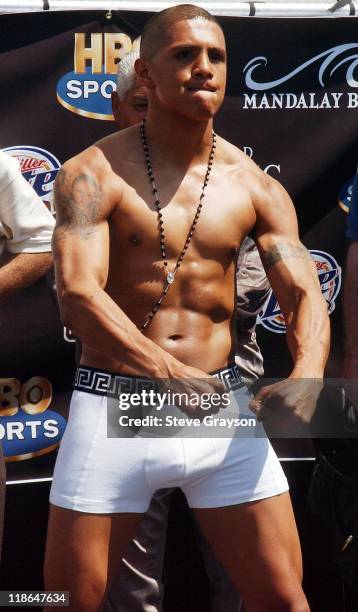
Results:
x,y
137,585
258,544
82,552
223,594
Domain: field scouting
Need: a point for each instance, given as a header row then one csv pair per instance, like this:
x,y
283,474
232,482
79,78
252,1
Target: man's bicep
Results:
x,y
287,262
80,240
80,263
79,201
276,219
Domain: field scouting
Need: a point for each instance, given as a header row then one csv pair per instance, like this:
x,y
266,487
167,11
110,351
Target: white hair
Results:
x,y
199,19
126,73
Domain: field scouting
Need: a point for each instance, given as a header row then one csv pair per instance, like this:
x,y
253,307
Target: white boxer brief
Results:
x,y
98,474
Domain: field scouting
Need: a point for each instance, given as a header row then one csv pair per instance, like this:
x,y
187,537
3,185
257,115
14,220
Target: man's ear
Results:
x,y
142,69
116,105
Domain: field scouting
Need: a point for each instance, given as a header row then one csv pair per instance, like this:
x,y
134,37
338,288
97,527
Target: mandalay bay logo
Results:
x,y
87,89
340,58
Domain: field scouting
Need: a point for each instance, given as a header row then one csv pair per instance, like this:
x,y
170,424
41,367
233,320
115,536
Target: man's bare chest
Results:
x,y
220,224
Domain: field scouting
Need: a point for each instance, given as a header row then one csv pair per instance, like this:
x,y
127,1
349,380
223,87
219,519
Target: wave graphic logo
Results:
x,y
329,276
331,59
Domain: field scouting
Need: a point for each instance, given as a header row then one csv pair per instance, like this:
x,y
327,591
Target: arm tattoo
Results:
x,y
77,204
279,252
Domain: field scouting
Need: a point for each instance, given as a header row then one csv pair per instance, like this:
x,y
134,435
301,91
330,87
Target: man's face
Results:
x,y
189,71
133,108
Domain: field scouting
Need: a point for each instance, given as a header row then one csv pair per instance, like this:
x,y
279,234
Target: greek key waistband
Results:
x,y
110,384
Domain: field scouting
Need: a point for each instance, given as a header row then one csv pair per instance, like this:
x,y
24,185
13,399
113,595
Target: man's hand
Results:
x,y
192,383
286,407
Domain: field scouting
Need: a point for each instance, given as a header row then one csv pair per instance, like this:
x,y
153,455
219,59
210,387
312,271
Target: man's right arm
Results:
x,y
81,253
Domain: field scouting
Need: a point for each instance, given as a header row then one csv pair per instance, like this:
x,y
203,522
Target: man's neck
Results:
x,y
176,139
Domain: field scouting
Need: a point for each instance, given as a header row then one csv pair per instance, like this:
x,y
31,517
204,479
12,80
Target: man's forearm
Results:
x,y
22,270
96,320
293,277
350,305
308,335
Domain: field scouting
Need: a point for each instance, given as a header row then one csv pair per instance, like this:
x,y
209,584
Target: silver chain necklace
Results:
x,y
170,276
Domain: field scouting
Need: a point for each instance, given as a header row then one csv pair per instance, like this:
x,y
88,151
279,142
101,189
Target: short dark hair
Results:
x,y
154,33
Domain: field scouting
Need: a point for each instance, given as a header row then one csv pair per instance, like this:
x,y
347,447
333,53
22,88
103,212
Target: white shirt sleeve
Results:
x,y
26,225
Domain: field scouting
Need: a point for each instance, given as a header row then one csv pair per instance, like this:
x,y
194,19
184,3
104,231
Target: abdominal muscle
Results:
x,y
194,322
191,337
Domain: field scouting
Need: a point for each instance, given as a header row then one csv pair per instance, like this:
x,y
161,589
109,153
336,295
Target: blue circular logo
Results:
x,y
39,167
329,276
87,94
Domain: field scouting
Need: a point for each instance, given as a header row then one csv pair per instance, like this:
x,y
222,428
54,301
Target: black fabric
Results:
x,y
330,538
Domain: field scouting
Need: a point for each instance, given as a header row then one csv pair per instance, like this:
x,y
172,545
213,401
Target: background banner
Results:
x,y
291,105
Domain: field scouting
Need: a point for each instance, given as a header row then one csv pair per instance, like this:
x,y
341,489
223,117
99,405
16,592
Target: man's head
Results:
x,y
156,31
183,61
130,101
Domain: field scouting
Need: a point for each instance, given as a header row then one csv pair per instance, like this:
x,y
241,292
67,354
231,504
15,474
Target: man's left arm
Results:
x,y
293,277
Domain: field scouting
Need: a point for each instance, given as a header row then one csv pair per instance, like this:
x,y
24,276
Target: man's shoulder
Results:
x,y
119,144
92,161
240,164
262,189
91,172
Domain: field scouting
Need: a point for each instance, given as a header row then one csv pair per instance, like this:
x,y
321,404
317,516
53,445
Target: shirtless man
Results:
x,y
139,585
110,273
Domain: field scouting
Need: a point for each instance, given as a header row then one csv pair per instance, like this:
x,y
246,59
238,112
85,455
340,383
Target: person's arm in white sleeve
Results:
x,y
26,227
21,271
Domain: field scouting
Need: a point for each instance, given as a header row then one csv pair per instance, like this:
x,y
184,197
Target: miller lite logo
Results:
x,y
87,89
39,168
329,275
